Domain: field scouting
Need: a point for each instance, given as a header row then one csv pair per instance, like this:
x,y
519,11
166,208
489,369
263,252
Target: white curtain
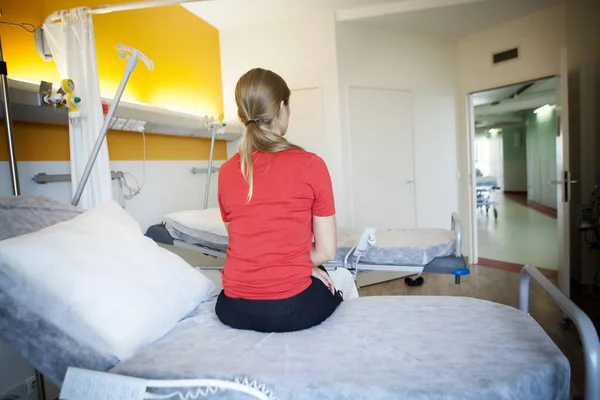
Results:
x,y
74,51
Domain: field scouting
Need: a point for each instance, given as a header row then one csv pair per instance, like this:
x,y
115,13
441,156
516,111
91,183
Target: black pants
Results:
x,y
302,311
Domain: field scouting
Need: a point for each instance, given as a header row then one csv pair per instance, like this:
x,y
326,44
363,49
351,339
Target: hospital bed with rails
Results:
x,y
485,186
359,250
388,347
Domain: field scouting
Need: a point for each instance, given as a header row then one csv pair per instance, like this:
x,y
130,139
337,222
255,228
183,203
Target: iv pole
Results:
x,y
12,157
210,160
132,60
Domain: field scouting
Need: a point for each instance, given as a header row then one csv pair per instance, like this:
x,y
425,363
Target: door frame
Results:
x,y
348,149
474,234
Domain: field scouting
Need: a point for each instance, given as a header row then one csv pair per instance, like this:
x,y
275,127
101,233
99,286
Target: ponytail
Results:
x,y
258,139
258,95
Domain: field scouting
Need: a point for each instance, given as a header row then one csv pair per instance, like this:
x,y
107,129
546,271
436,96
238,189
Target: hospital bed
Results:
x,y
413,251
385,347
485,186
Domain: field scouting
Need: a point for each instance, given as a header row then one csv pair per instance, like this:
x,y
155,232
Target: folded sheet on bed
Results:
x,y
394,246
372,348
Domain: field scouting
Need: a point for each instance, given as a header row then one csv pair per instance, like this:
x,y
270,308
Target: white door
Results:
x,y
382,157
563,180
306,120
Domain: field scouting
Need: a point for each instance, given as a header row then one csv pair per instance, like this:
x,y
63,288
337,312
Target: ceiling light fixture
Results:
x,y
546,107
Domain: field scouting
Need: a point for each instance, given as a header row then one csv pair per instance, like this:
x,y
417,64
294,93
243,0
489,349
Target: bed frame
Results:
x,y
453,265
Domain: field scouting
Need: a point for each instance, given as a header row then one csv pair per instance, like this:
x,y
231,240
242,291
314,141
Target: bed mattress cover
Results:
x,y
413,347
408,247
485,181
20,215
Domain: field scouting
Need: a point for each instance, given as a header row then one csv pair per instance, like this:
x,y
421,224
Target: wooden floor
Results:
x,y
501,287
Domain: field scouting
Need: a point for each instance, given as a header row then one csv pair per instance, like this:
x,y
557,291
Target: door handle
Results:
x,y
555,182
566,183
410,182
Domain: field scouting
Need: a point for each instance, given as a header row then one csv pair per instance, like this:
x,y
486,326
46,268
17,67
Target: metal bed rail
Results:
x,y
456,225
42,177
587,331
204,170
199,248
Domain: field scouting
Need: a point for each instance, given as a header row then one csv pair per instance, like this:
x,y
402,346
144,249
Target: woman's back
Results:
x,y
270,236
274,198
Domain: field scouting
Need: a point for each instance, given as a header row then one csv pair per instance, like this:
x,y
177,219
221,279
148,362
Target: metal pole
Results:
x,y
41,385
105,9
101,136
12,156
524,292
210,161
587,331
108,8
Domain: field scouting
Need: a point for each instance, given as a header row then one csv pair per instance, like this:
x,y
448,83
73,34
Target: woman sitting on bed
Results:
x,y
274,198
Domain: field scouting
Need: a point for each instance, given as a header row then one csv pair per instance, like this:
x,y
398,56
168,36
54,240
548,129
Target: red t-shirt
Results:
x,y
270,237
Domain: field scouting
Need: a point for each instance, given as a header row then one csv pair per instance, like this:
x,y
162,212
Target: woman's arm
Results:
x,y
323,211
324,247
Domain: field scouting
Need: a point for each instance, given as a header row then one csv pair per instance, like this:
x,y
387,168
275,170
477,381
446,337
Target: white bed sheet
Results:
x,y
408,347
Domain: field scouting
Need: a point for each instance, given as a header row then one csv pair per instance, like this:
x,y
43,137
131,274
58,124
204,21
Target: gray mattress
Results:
x,y
409,247
20,215
372,348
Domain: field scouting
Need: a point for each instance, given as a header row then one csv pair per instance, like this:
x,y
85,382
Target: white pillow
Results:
x,y
208,220
102,281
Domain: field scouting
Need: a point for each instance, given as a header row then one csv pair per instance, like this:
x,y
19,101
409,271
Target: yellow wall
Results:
x,y
34,142
186,77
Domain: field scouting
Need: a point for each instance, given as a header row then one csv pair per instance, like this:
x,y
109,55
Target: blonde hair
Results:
x,y
258,95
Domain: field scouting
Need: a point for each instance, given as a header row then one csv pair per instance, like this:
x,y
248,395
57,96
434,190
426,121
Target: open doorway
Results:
x,y
514,149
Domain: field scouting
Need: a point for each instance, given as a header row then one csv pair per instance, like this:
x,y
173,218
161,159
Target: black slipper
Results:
x,y
409,281
419,281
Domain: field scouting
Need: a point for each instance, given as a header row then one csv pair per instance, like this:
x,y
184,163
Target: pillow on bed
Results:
x,y
98,278
191,221
20,215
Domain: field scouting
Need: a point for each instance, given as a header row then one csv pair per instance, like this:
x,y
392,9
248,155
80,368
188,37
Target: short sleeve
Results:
x,y
320,181
220,192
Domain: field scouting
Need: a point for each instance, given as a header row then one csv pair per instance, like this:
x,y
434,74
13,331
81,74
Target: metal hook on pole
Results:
x,y
12,162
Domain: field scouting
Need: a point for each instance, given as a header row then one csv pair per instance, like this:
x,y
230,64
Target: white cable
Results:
x,y
143,157
205,387
121,196
133,191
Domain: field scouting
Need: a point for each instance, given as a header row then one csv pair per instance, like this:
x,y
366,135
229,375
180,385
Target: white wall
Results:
x,y
541,158
490,156
170,186
303,52
425,66
539,37
515,159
